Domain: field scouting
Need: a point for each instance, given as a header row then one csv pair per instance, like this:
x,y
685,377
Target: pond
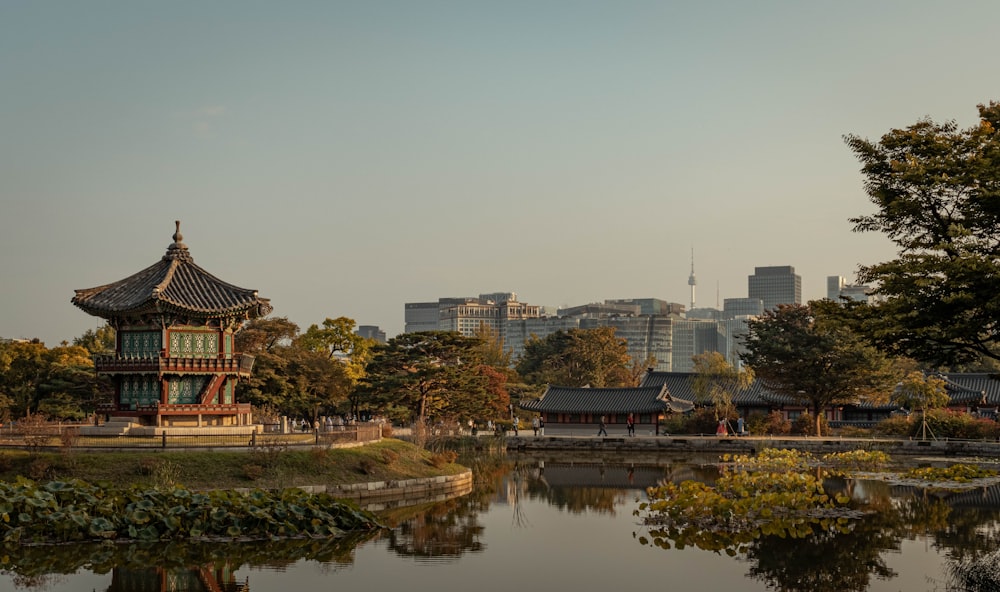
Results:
x,y
553,522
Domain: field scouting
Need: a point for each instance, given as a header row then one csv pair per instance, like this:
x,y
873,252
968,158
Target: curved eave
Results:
x,y
172,285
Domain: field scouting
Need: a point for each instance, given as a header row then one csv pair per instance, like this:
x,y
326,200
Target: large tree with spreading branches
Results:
x,y
936,190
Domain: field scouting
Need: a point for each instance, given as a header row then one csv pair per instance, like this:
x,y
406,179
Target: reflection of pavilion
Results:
x,y
601,475
192,579
981,497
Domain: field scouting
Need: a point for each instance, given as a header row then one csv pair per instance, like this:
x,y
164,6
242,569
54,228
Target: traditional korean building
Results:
x,y
585,405
175,364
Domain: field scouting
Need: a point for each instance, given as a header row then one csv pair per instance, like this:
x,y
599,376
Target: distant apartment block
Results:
x,y
467,315
775,285
653,329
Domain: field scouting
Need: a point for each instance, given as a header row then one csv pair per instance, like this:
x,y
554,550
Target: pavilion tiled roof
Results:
x,y
173,284
563,399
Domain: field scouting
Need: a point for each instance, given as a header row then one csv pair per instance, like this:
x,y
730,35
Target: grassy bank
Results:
x,y
264,467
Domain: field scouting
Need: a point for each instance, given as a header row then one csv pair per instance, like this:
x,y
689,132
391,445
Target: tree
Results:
x,y
338,340
22,367
920,392
59,382
98,342
318,383
268,340
492,349
937,193
266,335
815,360
68,387
578,357
716,381
432,374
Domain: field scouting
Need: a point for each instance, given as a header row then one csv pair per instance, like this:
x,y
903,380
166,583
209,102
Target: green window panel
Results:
x,y
184,390
194,344
145,344
139,390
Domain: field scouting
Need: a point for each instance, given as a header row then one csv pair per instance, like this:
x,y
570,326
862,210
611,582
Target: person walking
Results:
x,y
630,424
534,425
517,421
602,431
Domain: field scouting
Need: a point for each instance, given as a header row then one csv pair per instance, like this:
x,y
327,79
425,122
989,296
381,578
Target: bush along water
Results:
x,y
62,511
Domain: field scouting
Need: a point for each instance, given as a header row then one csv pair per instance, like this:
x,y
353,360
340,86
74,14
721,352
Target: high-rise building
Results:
x,y
421,316
742,307
837,288
648,338
775,285
371,332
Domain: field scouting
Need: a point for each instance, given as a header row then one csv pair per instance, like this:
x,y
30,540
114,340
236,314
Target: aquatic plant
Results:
x,y
767,494
957,473
857,459
60,511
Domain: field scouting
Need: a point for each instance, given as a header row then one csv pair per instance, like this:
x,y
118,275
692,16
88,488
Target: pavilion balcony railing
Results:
x,y
238,364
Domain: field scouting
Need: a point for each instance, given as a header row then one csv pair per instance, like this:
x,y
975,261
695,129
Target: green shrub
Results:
x,y
896,425
945,423
771,424
805,425
701,421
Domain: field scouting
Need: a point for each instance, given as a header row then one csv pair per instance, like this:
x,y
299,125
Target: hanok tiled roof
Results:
x,y
679,385
963,388
173,284
564,399
970,387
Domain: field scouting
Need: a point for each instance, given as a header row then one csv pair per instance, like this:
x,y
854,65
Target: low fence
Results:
x,y
68,436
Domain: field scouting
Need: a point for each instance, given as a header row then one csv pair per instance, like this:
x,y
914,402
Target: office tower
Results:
x,y
775,285
742,307
371,332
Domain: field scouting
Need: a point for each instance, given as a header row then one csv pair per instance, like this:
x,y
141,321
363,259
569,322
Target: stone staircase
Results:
x,y
115,426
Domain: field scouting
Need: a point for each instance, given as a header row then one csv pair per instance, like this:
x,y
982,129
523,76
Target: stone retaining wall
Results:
x,y
749,445
381,495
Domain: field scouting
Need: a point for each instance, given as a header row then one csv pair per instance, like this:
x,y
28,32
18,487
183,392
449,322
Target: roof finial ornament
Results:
x,y
178,250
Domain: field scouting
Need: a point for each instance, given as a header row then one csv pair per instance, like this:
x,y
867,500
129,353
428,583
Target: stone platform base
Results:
x,y
117,426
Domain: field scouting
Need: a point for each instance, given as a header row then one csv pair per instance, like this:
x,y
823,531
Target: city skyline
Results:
x,y
345,158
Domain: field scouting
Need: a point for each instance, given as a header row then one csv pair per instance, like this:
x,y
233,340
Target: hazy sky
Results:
x,y
344,158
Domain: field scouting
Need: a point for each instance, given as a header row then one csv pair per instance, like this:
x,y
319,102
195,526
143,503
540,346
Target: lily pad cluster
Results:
x,y
756,496
61,511
957,473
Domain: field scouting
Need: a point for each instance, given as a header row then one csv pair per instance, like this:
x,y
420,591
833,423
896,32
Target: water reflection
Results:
x,y
511,493
824,554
